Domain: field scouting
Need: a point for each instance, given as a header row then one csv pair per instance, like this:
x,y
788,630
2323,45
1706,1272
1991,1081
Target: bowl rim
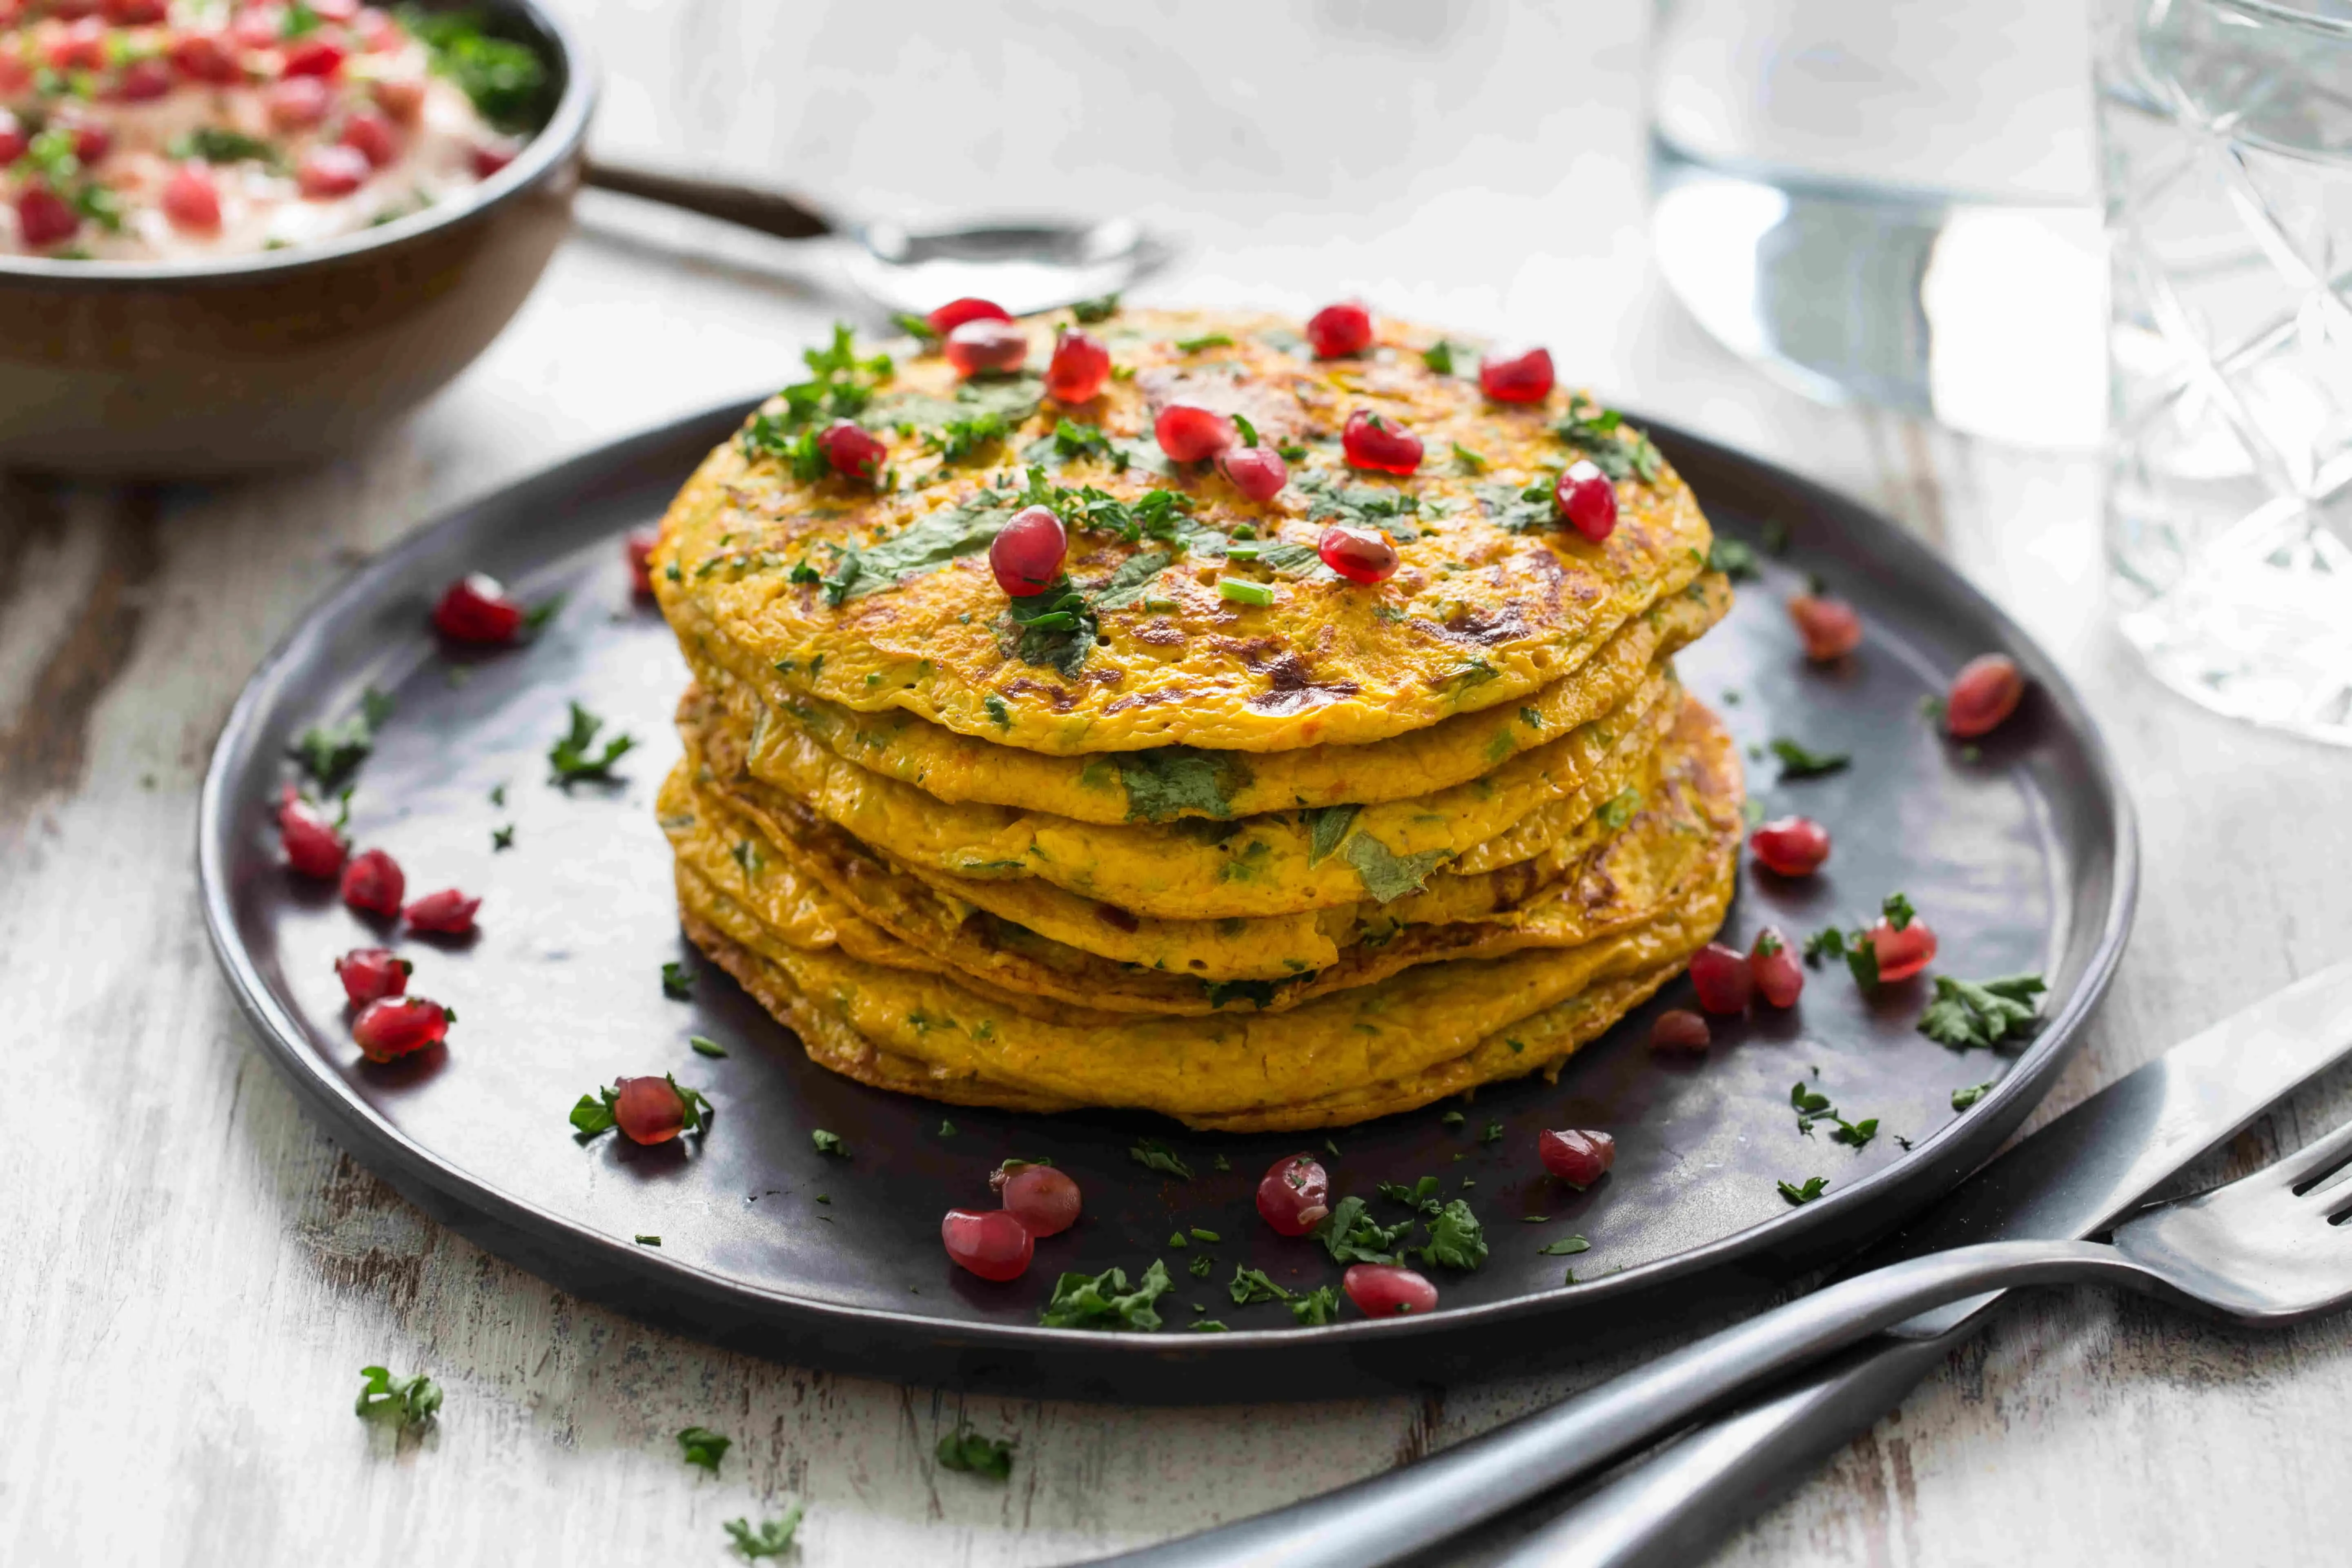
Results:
x,y
549,146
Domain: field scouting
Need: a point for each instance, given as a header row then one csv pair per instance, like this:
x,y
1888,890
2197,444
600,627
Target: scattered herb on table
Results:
x,y
773,1538
1797,762
1250,1286
965,1450
1089,312
1317,1307
829,1143
701,1445
1439,357
1103,1300
1205,341
1153,1155
329,752
1964,1098
1814,1187
1451,1119
1969,1012
502,837
405,1401
1422,1195
1491,1134
1350,1235
648,1241
706,1047
570,757
678,982
1202,1265
1455,1238
947,1129
1566,1247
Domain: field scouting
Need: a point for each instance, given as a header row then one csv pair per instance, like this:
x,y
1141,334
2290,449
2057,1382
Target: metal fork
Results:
x,y
2271,1248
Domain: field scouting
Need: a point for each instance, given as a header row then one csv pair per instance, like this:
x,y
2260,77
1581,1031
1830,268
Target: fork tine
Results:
x,y
2314,1161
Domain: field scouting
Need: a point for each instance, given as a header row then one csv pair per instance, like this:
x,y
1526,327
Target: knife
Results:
x,y
2071,1179
2075,1178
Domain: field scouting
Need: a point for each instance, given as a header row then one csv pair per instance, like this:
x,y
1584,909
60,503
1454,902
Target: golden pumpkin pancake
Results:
x,y
1192,615
1178,782
1668,841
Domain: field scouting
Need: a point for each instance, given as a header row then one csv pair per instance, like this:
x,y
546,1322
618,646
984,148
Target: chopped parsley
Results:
x,y
648,1241
1566,1247
508,81
1104,1301
1205,341
1469,461
1153,1155
1089,312
1317,1307
1812,1106
947,1129
773,1538
916,327
840,385
922,546
1619,810
329,752
1733,558
1599,434
1326,826
1492,1133
502,837
966,1450
829,1143
1451,1119
1964,1098
701,1445
1250,1286
404,1401
1386,875
570,756
1854,946
678,982
1970,1012
1350,1236
1201,1267
1422,1195
1797,1196
704,1047
1456,1240
1797,762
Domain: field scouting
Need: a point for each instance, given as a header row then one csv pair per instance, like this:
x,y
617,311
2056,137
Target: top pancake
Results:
x,y
877,598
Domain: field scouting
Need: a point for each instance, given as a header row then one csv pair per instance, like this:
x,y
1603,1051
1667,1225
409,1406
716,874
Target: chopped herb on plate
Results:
x,y
701,1445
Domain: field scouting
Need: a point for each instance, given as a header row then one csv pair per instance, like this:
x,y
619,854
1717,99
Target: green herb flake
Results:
x,y
1491,1134
678,982
1250,1286
701,1445
966,1450
404,1401
1205,341
1439,357
1386,875
508,82
829,1143
947,1129
502,837
569,756
1316,1307
1967,1013
1964,1098
1201,1267
1733,558
1103,1300
1797,1196
648,1241
1241,591
327,753
1456,1240
1089,312
1566,1247
1154,1155
704,1047
1349,1235
1797,762
773,1537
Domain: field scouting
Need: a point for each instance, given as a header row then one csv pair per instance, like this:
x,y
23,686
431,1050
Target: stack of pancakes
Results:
x,y
1207,829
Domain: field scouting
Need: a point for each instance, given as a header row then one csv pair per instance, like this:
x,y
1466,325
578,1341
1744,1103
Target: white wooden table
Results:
x,y
190,1274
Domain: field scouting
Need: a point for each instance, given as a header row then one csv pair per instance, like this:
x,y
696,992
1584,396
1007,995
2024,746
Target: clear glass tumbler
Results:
x,y
2226,138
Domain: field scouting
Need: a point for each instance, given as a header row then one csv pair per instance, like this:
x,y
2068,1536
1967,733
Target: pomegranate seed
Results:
x,y
1779,978
44,217
1901,953
853,451
1986,692
475,609
648,1109
191,199
12,140
372,882
1388,1290
259,26
1680,1029
1792,845
1522,378
297,103
1375,441
204,57
372,134
1294,1194
1027,553
1576,1157
1078,369
1359,554
1587,499
1722,978
1043,1200
401,97
393,1026
448,911
91,142
638,550
313,846
987,344
1258,472
80,47
491,156
1829,627
992,1243
313,55
1337,330
371,972
326,172
135,13
956,312
143,81
1189,432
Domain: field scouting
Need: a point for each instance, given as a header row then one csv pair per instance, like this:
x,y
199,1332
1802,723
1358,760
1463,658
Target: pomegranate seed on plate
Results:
x,y
191,199
297,103
91,143
1042,1199
1791,845
81,46
143,81
1258,472
1779,978
490,157
1294,1194
1377,442
1188,432
372,882
1359,554
393,1026
12,140
986,344
371,972
372,134
448,911
648,1109
326,172
1522,378
44,217
1587,499
401,97
1577,1157
1337,330
1388,1290
475,609
956,312
313,55
204,57
1829,628
1680,1029
136,13
853,451
1903,953
1986,692
638,549
1028,551
993,1243
1722,978
1079,367
313,846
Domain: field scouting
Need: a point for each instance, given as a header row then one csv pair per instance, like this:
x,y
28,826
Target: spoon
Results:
x,y
1023,265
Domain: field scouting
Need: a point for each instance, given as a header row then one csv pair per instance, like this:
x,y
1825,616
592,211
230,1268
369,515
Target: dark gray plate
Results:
x,y
2023,859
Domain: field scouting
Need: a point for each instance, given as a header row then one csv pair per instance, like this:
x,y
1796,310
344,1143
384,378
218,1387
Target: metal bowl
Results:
x,y
179,370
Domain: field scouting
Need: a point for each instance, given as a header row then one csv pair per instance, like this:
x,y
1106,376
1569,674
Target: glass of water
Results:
x,y
2226,134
